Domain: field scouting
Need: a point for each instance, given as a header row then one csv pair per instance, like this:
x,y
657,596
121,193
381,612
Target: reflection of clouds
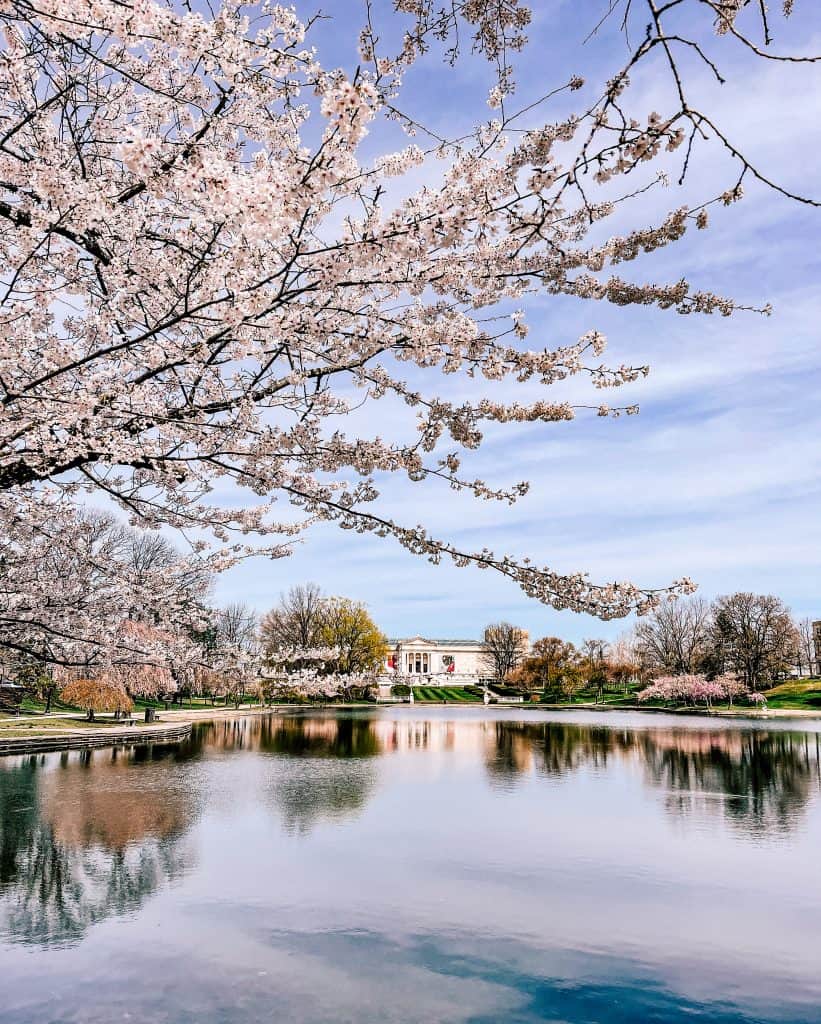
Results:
x,y
373,977
563,893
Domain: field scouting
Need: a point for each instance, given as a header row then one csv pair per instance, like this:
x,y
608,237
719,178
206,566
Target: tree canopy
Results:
x,y
205,268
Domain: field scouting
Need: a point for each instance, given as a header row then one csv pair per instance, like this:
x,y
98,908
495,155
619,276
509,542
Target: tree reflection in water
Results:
x,y
315,787
85,837
326,774
763,779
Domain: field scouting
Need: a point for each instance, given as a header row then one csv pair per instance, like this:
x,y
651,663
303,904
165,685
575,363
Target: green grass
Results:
x,y
192,703
440,694
795,695
589,696
12,726
35,707
39,706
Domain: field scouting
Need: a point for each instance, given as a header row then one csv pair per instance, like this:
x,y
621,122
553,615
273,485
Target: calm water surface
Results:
x,y
412,865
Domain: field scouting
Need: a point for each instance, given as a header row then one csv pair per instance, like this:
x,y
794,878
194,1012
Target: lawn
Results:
x,y
795,694
188,704
13,726
440,694
193,703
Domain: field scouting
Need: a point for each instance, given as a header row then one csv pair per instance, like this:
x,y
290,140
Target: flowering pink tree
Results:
x,y
77,588
143,659
203,271
694,688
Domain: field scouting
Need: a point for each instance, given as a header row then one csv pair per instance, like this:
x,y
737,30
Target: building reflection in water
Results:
x,y
763,779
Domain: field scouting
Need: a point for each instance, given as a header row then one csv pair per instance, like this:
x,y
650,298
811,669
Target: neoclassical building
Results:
x,y
420,656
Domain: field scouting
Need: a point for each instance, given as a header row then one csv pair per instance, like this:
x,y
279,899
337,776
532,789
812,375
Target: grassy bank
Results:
x,y
795,695
445,694
803,696
16,726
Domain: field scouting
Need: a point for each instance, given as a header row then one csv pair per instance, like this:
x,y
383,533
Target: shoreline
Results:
x,y
176,724
88,739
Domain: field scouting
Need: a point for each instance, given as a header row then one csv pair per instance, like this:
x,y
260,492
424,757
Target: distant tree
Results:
x,y
32,674
204,681
754,636
550,656
571,679
623,663
806,648
295,623
675,636
236,626
230,654
595,664
98,694
234,685
43,687
358,644
504,646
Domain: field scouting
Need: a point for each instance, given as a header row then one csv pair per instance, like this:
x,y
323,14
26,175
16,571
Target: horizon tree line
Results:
x,y
751,637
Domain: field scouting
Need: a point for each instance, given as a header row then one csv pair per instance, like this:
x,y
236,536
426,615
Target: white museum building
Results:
x,y
446,659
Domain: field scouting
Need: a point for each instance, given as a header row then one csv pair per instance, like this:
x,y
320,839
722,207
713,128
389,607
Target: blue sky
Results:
x,y
719,477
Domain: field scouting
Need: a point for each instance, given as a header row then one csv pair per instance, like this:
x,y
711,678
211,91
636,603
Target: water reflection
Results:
x,y
760,781
85,837
313,789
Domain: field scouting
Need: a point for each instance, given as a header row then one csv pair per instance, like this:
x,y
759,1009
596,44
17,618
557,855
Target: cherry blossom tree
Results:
x,y
696,688
75,587
203,270
143,659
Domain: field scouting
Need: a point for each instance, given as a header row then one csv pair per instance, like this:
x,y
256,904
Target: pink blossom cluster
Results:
x,y
695,688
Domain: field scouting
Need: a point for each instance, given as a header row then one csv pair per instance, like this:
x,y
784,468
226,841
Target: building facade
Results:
x,y
428,658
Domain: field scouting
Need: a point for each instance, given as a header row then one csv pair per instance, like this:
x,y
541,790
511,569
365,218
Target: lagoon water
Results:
x,y
418,865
